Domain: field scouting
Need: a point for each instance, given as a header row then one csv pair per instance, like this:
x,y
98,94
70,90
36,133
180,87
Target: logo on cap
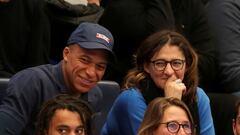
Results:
x,y
101,36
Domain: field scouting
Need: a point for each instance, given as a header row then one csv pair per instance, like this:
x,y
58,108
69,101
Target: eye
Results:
x,y
101,67
62,131
84,60
173,126
79,131
160,63
177,63
187,126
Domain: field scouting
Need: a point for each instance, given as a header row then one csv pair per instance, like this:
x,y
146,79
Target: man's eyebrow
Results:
x,y
80,126
91,59
63,126
85,55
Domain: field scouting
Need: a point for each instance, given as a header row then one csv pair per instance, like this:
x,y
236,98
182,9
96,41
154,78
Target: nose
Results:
x,y
168,69
72,133
91,70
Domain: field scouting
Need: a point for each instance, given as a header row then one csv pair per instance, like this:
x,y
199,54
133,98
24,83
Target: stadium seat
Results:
x,y
110,90
3,86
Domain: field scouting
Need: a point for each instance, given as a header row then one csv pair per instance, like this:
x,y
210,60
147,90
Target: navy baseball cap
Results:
x,y
92,36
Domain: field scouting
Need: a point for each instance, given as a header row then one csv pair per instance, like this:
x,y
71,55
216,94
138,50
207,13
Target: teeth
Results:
x,y
87,81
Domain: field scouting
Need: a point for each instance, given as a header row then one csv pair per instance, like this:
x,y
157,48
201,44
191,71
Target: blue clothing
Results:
x,y
128,111
26,92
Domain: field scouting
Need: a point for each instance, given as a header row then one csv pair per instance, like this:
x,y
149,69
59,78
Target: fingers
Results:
x,y
174,87
173,78
181,87
97,2
178,81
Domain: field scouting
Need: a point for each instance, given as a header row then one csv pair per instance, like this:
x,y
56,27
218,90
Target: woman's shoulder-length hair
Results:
x,y
153,44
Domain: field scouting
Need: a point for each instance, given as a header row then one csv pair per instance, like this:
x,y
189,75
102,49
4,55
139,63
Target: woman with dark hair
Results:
x,y
131,21
167,116
166,66
64,114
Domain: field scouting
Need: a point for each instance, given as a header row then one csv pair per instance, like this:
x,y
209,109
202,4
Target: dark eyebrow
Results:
x,y
167,60
91,59
63,126
85,56
80,126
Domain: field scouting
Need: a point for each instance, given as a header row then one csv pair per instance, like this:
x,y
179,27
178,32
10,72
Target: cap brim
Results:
x,y
95,45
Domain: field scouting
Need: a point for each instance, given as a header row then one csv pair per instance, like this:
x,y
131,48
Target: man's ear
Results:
x,y
66,52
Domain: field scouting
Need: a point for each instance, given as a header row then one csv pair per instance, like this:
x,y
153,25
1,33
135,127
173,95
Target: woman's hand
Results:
x,y
174,87
4,1
97,2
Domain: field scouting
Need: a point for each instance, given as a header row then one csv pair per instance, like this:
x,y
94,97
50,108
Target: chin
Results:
x,y
81,89
162,84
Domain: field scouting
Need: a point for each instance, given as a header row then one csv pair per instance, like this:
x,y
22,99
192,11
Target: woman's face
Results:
x,y
65,122
166,53
173,114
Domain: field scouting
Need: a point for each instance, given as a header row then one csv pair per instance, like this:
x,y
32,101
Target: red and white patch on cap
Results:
x,y
99,35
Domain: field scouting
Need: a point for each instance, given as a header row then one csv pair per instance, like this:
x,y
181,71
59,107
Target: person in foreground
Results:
x,y
166,66
167,116
85,59
64,114
236,120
